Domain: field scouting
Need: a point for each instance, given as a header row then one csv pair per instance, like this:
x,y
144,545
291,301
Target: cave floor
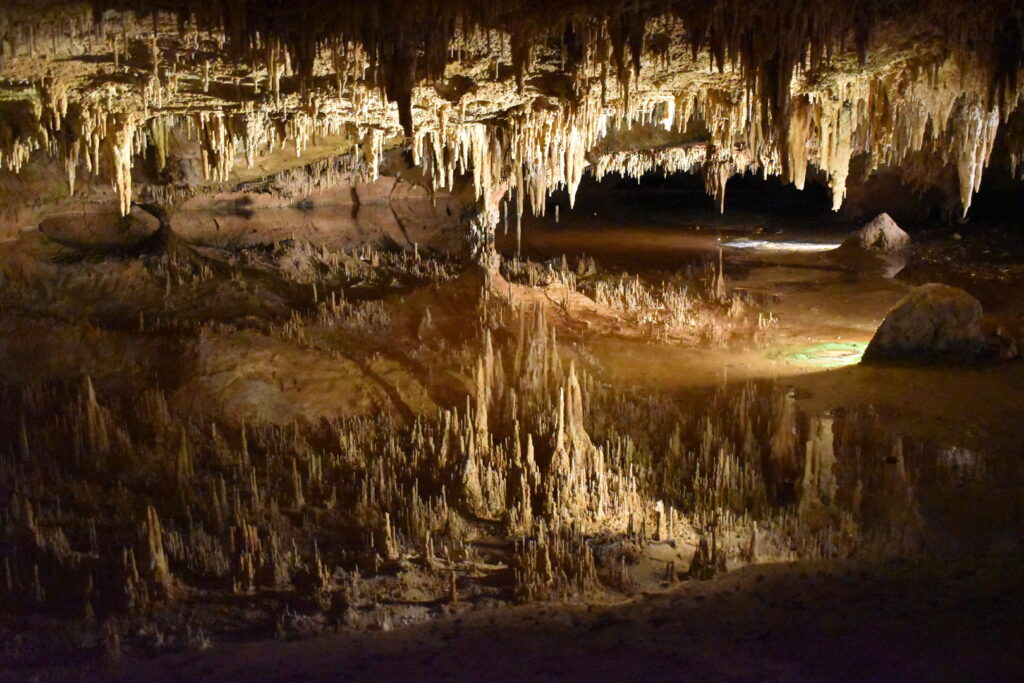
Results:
x,y
810,621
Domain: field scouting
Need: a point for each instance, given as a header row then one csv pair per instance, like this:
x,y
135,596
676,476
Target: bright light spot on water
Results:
x,y
827,355
768,245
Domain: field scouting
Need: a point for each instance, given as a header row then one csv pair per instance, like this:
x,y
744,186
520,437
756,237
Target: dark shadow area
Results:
x,y
812,622
1000,200
665,222
682,198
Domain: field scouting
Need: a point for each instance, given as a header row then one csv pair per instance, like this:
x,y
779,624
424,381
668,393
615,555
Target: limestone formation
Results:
x,y
877,248
524,106
277,363
933,321
881,234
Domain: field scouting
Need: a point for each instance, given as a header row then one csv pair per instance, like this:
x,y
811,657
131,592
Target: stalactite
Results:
x,y
799,129
761,110
120,146
973,140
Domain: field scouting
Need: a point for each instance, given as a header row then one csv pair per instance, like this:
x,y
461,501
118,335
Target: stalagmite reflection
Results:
x,y
546,481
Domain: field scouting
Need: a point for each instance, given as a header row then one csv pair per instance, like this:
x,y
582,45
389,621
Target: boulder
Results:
x,y
933,321
877,248
99,228
880,235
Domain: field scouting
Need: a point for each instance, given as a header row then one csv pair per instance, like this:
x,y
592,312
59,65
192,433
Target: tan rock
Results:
x,y
934,320
880,234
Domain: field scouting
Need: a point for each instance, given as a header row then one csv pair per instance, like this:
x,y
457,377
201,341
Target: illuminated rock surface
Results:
x,y
880,234
165,101
933,321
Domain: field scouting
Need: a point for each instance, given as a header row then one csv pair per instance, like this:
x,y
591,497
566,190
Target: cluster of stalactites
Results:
x,y
402,40
887,117
85,135
534,151
537,150
756,118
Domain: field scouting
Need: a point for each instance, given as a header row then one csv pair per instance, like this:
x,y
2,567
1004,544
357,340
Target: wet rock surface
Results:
x,y
934,321
385,213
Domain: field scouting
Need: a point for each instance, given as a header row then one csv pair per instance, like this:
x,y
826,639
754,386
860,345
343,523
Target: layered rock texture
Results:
x,y
161,101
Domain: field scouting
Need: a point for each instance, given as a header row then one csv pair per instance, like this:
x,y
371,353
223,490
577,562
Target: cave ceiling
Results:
x,y
161,101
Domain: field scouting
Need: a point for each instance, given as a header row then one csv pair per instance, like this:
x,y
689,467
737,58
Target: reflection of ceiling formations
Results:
x,y
523,94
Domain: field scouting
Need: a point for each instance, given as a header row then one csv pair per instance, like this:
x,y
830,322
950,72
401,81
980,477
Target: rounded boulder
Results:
x,y
933,321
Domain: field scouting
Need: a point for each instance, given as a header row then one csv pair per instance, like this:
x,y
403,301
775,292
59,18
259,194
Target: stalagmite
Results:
x,y
818,485
183,466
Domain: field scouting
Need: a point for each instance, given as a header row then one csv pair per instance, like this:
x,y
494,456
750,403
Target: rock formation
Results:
x,y
165,101
877,248
881,234
94,227
933,321
278,357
